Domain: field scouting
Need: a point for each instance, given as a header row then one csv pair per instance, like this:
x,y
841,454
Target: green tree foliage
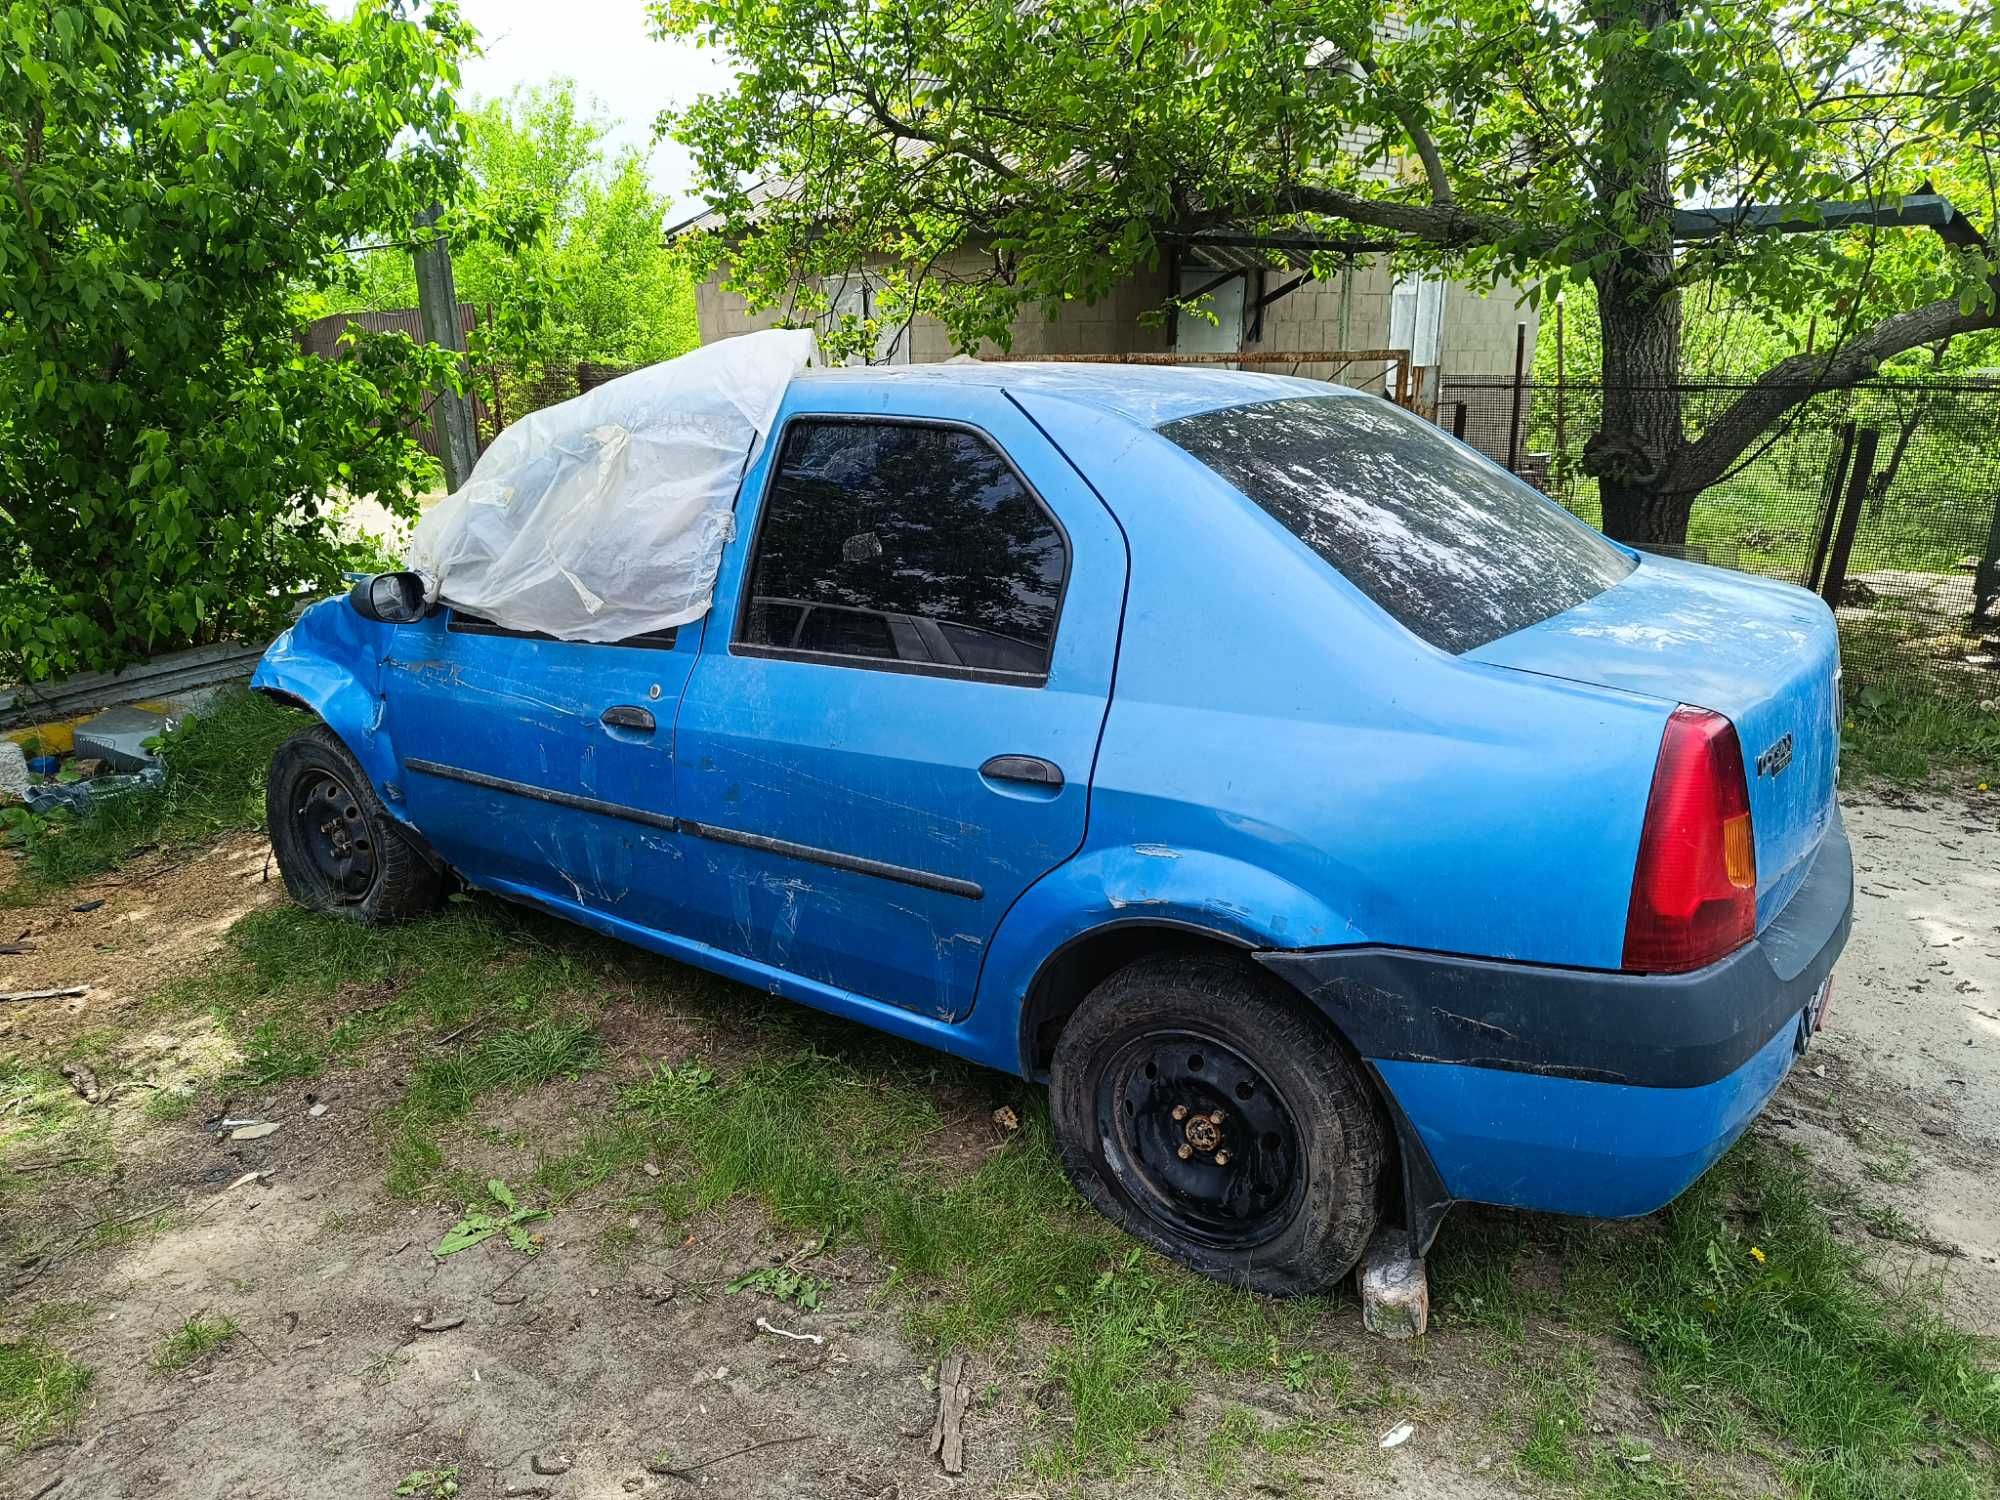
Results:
x,y
1067,143
167,169
560,242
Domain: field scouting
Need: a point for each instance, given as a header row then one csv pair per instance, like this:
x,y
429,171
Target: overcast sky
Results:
x,y
604,46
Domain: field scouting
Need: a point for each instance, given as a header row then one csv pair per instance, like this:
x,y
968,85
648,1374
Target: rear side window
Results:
x,y
1457,551
904,543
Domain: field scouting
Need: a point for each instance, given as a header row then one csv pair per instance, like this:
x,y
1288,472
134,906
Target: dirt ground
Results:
x,y
364,1358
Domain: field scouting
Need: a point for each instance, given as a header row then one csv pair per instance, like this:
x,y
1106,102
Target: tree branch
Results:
x,y
1792,380
1445,225
1412,121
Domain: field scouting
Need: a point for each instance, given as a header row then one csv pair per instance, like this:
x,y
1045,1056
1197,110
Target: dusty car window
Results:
x,y
906,542
1457,551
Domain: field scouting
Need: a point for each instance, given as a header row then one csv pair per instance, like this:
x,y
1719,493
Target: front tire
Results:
x,y
1205,1110
338,849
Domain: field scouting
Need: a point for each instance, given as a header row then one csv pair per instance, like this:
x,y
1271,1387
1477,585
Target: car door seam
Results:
x,y
1103,721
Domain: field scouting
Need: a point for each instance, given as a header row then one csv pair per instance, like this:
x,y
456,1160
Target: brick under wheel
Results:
x,y
338,849
1207,1111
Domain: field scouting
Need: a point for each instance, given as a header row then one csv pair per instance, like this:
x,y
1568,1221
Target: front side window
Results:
x,y
1458,552
904,542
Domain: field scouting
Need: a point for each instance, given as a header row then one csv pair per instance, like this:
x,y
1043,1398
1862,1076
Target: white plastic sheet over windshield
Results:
x,y
605,517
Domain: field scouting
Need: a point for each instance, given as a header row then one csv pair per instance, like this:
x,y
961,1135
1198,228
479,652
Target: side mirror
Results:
x,y
389,598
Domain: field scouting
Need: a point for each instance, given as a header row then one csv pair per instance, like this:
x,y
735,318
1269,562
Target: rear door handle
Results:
x,y
628,716
1031,769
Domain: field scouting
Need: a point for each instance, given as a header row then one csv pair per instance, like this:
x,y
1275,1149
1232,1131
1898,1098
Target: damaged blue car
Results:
x,y
1340,828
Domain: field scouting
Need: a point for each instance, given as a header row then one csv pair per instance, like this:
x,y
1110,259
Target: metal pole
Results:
x,y
1986,580
1850,516
1829,501
437,305
1520,378
1561,465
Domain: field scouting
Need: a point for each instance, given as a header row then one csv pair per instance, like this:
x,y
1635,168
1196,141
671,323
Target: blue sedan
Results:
x,y
1339,827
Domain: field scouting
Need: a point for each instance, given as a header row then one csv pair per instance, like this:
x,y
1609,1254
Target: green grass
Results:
x,y
830,1142
1859,1392
215,784
41,1392
1559,1393
196,1339
826,1125
47,1134
1854,1392
1896,1163
1899,730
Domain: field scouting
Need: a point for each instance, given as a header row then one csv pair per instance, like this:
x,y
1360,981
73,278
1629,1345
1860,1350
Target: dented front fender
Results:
x,y
330,662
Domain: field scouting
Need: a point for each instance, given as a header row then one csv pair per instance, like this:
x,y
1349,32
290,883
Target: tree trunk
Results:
x,y
1639,429
1639,432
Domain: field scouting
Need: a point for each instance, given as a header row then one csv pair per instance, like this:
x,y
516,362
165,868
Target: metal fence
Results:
x,y
1884,498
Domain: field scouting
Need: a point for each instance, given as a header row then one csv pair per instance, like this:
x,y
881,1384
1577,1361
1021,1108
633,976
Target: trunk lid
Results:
x,y
1764,654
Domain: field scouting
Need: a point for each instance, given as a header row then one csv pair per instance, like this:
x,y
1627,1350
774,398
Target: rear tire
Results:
x,y
338,849
1282,1193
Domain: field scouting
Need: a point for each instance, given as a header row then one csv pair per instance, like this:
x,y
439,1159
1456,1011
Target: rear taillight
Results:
x,y
1694,893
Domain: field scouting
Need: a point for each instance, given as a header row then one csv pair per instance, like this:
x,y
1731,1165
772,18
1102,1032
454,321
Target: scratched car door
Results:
x,y
890,729
542,767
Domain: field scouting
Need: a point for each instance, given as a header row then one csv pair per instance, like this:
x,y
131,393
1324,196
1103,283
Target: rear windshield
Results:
x,y
1453,547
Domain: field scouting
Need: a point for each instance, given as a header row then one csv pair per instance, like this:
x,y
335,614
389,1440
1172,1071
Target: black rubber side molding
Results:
x,y
833,859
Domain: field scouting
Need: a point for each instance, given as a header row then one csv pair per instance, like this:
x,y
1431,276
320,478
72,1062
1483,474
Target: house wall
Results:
x,y
1479,332
1111,326
1351,311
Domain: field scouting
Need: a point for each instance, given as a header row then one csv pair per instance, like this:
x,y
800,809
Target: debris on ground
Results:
x,y
954,1396
554,1463
661,1466
1395,1292
1006,1119
64,992
255,1132
83,1080
785,1333
13,772
122,736
1398,1435
46,797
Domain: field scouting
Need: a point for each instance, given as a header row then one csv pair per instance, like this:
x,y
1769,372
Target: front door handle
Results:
x,y
1031,769
628,716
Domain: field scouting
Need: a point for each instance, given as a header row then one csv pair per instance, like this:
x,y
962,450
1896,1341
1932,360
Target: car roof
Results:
x,y
1146,394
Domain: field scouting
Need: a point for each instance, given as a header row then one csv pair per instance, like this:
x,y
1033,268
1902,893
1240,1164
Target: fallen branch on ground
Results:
x,y
654,1466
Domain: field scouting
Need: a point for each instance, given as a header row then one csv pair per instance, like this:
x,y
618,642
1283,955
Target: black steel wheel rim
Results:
x,y
333,830
1213,1148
